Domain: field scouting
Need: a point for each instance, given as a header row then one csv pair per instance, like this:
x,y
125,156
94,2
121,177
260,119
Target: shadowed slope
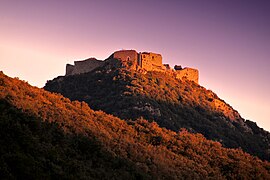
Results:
x,y
59,138
34,149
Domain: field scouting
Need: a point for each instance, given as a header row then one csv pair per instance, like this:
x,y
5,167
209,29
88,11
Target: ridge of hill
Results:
x,y
45,135
171,102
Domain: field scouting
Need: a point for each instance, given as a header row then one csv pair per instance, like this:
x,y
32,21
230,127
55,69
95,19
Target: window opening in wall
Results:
x,y
128,58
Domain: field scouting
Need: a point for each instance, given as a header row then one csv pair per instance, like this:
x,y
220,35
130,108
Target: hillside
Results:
x,y
44,135
171,102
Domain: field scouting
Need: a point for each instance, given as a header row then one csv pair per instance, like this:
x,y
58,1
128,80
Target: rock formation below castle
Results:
x,y
131,59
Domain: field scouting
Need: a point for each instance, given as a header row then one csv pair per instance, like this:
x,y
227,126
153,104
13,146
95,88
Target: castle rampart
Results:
x,y
83,66
188,73
126,56
151,61
146,61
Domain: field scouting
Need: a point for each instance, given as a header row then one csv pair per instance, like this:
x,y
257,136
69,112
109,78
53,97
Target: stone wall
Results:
x,y
151,61
69,69
136,61
129,57
188,73
132,59
83,66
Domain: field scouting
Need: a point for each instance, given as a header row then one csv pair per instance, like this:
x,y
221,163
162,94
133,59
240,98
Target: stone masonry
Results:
x,y
142,61
83,66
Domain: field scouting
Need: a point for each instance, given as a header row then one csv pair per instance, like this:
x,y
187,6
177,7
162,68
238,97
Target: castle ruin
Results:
x,y
83,66
142,61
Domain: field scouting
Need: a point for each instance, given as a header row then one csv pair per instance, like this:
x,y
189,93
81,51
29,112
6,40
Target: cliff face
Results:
x,y
161,97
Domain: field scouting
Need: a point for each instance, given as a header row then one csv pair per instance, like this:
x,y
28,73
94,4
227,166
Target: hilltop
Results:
x,y
142,62
45,135
130,92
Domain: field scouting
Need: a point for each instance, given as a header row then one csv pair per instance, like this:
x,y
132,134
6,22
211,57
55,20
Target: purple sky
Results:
x,y
227,40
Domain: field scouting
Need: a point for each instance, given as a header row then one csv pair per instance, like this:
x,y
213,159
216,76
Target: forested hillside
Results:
x,y
170,102
44,135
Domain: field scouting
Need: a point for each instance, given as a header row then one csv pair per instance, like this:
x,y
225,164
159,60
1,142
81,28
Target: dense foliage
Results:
x,y
171,103
44,135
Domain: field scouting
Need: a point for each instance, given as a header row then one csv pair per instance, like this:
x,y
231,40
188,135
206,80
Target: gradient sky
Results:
x,y
227,40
